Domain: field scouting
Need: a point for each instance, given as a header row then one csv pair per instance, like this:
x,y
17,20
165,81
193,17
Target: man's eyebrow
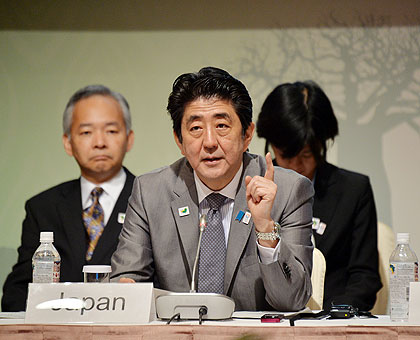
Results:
x,y
193,118
223,115
85,125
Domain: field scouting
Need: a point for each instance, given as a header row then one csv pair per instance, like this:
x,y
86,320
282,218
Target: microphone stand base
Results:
x,y
188,305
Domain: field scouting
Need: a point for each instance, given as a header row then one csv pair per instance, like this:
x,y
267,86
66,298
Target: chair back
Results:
x,y
317,278
386,244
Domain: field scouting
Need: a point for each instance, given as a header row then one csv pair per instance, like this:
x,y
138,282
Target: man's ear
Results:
x,y
67,145
130,140
249,133
179,143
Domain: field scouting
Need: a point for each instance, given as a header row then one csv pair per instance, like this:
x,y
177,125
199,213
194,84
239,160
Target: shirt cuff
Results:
x,y
268,255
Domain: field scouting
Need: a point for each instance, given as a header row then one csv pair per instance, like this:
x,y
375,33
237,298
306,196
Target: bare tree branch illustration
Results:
x,y
373,71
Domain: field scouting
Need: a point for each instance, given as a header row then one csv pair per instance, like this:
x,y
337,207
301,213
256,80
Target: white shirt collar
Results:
x,y
229,190
112,188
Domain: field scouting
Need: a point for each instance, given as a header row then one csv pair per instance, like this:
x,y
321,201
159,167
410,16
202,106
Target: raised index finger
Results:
x,y
269,174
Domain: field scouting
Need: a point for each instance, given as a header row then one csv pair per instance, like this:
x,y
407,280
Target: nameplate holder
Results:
x,y
414,306
90,303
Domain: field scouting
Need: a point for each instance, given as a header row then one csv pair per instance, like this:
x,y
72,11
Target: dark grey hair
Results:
x,y
92,90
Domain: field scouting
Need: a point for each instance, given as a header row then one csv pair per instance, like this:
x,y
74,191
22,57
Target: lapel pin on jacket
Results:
x,y
121,218
239,216
315,223
321,228
247,217
318,226
184,211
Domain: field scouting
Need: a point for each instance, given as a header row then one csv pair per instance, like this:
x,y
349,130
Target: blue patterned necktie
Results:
x,y
211,269
93,217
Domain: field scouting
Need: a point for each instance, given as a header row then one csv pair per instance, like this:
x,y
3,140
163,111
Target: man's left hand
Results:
x,y
260,194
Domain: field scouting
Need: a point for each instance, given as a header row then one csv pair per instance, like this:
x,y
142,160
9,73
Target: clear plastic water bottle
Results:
x,y
46,260
403,265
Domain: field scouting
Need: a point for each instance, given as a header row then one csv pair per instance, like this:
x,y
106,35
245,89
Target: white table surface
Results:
x,y
251,320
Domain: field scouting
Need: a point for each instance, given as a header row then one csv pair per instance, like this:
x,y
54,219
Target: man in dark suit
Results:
x,y
257,245
97,133
344,202
297,120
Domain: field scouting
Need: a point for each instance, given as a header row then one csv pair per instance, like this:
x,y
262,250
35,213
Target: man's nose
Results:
x,y
99,140
210,139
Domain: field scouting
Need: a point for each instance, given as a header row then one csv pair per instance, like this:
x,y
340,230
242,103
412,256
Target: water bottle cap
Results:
x,y
403,238
46,236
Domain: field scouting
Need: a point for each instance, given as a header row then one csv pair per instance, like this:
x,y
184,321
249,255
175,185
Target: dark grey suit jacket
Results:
x,y
158,245
59,209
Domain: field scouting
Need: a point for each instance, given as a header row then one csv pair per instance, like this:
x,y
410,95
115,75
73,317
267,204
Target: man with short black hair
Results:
x,y
298,122
263,262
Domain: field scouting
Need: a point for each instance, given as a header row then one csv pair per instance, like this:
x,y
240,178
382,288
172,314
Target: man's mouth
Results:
x,y
211,160
100,158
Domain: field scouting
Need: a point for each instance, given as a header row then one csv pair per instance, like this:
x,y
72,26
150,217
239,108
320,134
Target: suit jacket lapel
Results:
x,y
113,227
187,225
324,205
239,232
70,211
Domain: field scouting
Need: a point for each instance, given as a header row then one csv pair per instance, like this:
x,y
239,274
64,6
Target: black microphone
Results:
x,y
202,225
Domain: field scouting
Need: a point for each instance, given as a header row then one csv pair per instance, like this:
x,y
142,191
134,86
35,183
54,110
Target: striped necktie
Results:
x,y
93,217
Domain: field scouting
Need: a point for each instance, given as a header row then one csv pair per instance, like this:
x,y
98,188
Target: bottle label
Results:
x,y
56,271
43,272
401,274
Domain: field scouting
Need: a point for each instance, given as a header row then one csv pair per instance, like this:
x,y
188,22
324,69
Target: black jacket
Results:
x,y
59,209
344,201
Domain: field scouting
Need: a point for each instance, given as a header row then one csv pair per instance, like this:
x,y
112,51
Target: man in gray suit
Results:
x,y
263,252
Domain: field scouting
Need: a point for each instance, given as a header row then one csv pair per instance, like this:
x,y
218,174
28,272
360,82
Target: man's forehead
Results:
x,y
210,100
97,109
215,107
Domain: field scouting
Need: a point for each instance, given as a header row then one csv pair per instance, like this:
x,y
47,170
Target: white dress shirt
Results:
x,y
267,255
109,197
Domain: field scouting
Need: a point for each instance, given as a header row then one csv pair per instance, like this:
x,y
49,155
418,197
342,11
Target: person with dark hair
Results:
x,y
297,120
257,244
97,133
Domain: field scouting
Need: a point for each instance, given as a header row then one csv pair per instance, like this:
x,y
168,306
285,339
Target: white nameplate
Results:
x,y
414,306
99,303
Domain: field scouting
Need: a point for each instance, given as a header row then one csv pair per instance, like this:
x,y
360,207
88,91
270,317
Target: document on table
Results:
x,y
12,315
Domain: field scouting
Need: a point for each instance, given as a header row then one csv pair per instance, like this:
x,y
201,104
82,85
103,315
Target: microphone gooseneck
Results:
x,y
202,225
193,305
